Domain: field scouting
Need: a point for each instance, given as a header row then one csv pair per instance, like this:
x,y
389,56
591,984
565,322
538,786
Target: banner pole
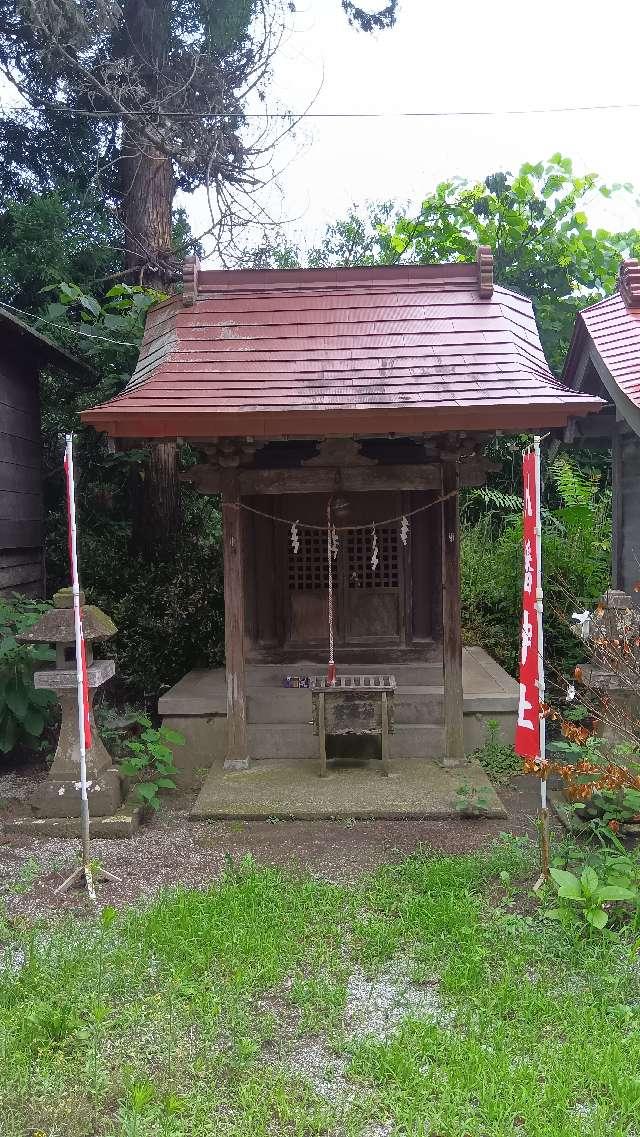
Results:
x,y
544,809
84,730
331,665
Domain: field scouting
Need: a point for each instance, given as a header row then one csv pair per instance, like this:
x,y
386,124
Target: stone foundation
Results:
x,y
279,724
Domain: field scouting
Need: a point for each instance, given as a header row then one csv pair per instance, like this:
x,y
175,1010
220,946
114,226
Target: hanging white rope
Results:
x,y
340,528
334,541
331,666
374,549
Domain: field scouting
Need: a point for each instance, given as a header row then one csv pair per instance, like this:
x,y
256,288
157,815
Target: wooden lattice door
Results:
x,y
368,601
371,598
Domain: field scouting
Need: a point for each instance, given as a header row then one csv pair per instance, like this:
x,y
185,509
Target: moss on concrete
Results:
x,y
292,789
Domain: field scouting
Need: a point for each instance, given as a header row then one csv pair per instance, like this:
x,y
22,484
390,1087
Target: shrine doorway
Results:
x,y
369,593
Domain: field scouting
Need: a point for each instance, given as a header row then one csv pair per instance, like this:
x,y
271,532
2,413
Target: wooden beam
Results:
x,y
327,479
237,754
451,621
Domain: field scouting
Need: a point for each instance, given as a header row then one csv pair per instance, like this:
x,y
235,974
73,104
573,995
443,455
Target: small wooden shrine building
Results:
x,y
24,354
373,389
604,360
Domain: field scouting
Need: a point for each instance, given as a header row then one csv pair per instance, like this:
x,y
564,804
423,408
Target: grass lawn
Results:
x,y
417,1002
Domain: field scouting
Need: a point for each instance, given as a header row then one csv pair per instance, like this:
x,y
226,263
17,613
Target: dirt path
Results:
x,y
171,849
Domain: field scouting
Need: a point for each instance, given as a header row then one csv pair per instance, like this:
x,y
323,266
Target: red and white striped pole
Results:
x,y
530,738
84,725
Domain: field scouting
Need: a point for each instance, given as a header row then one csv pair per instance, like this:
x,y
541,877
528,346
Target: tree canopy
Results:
x,y
535,221
141,98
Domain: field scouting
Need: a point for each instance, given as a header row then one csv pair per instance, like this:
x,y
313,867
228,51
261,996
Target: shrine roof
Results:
x,y
608,334
339,351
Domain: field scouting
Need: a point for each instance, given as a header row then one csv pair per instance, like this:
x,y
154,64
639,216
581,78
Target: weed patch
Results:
x,y
406,1005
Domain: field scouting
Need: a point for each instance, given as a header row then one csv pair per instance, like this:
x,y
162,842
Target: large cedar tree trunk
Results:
x,y
147,195
147,187
146,174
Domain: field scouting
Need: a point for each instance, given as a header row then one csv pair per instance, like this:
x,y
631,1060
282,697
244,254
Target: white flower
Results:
x,y
583,619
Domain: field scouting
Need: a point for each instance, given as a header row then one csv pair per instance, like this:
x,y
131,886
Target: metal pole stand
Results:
x,y
543,833
85,872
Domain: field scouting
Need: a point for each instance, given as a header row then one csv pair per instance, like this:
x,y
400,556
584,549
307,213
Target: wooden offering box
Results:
x,y
354,705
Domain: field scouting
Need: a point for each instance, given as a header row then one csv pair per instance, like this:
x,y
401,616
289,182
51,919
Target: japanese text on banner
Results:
x,y
527,741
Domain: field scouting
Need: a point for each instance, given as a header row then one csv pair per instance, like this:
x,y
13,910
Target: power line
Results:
x,y
300,116
66,328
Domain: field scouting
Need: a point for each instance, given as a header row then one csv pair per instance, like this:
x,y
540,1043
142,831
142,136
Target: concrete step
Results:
x,y
281,705
296,740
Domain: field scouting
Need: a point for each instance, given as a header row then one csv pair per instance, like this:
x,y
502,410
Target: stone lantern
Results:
x,y
59,795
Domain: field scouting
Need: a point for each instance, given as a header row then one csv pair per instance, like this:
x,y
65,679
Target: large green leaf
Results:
x,y
17,699
589,880
8,732
33,722
568,884
615,892
38,697
169,735
597,917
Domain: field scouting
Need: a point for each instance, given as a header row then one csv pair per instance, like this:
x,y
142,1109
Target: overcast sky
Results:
x,y
465,56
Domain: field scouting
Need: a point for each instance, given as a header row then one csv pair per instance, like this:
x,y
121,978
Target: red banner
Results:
x,y
527,741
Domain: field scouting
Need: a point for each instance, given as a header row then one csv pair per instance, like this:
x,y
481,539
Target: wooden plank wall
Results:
x,y
626,512
21,562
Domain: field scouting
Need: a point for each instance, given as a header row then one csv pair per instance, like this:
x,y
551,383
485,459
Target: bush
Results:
x,y
497,757
576,569
24,711
170,619
169,613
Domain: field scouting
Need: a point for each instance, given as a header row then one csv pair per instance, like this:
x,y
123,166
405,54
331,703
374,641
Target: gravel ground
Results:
x,y
171,849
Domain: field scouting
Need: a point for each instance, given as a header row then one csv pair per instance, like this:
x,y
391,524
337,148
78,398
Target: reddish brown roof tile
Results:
x,y
413,348
615,331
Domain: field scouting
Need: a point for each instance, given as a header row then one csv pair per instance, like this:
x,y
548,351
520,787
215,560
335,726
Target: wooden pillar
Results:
x,y
237,754
451,621
617,530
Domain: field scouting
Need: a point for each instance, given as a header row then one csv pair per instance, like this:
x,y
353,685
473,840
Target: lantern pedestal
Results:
x,y
59,796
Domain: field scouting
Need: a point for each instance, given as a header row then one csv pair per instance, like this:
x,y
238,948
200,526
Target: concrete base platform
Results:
x,y
124,823
279,719
291,789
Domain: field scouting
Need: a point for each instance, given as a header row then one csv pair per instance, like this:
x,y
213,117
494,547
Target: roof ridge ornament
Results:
x,y
484,261
629,283
190,273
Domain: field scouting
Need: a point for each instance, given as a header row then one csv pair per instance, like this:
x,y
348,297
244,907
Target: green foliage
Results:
x,y
497,757
24,711
148,760
169,613
536,224
588,898
64,234
106,332
368,21
606,808
472,801
576,565
114,1027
